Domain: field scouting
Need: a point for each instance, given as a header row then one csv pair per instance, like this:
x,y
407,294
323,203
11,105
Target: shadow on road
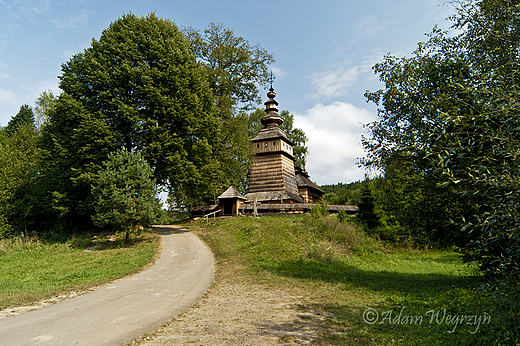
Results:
x,y
169,229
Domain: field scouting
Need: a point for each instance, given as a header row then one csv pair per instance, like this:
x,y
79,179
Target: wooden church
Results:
x,y
276,184
273,175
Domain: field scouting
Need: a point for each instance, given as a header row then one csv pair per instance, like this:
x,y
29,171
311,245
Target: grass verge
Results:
x,y
371,295
32,270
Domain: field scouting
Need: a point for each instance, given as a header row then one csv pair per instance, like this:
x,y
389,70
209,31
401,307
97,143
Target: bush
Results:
x,y
6,230
343,216
319,210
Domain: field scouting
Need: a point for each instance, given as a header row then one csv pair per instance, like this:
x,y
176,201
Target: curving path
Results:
x,y
118,313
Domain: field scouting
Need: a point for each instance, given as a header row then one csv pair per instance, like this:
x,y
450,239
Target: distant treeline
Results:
x,y
343,194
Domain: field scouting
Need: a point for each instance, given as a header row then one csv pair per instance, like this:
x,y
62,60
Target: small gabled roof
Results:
x,y
231,193
302,180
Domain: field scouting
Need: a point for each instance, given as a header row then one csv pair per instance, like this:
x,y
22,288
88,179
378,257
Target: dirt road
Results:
x,y
118,313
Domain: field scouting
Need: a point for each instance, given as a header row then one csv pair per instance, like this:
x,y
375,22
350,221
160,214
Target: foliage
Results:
x,y
416,91
73,144
233,151
44,105
319,210
234,71
294,134
25,116
297,136
366,207
234,68
343,194
143,82
480,140
17,171
416,206
451,110
125,193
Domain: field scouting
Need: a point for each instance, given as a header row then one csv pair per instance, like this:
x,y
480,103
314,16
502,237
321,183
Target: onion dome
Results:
x,y
271,118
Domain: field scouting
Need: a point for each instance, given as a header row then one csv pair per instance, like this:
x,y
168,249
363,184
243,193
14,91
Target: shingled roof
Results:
x,y
231,193
273,196
302,179
271,133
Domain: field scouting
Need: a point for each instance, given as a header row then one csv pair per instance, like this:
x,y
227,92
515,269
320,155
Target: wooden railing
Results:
x,y
208,215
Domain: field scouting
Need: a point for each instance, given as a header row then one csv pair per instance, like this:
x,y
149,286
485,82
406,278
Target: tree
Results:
x,y
233,151
417,92
295,134
142,80
25,116
367,207
44,105
73,145
452,110
18,155
415,206
480,140
234,68
125,193
349,194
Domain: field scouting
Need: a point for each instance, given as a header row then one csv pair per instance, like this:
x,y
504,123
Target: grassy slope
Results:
x,y
345,273
31,271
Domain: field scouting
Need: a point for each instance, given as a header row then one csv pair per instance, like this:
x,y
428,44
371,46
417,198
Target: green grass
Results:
x,y
417,295
31,270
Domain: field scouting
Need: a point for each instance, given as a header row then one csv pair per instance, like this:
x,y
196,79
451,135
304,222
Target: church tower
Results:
x,y
272,177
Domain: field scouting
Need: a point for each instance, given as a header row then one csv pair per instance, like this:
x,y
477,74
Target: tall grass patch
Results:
x,y
32,270
417,295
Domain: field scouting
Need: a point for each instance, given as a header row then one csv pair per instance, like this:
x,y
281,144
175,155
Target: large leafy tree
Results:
x,y
480,141
235,70
44,105
141,80
18,169
73,145
417,91
451,109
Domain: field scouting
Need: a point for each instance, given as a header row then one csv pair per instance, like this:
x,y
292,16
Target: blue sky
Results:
x,y
324,54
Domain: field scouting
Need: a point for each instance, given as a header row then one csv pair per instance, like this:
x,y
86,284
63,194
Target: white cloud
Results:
x,y
334,133
369,27
278,72
23,93
73,22
29,8
335,83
